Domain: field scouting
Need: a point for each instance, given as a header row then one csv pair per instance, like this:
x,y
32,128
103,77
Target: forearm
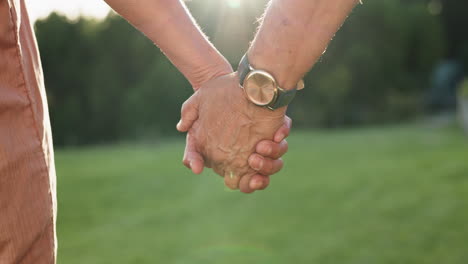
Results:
x,y
294,34
170,26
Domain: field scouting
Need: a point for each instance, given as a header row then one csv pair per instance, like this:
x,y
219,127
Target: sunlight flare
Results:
x,y
234,3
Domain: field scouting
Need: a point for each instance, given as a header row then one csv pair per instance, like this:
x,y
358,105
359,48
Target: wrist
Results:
x,y
262,89
280,67
207,70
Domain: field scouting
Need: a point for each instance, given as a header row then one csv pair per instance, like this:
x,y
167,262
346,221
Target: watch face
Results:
x,y
260,87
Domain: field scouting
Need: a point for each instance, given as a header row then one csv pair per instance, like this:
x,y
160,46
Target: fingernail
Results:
x,y
178,124
256,185
268,151
190,164
280,137
258,163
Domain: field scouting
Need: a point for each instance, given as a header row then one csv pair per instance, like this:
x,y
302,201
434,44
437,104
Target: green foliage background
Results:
x,y
386,195
106,82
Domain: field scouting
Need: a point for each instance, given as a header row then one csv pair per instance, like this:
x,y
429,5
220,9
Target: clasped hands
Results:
x,y
240,141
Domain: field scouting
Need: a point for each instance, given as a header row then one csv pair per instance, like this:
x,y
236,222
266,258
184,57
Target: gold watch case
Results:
x,y
260,87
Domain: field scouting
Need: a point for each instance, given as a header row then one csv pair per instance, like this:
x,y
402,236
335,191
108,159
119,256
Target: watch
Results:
x,y
261,87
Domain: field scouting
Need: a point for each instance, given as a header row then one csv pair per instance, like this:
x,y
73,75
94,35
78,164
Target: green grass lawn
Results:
x,y
377,195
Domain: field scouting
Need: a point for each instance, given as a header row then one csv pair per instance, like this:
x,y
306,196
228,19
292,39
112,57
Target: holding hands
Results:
x,y
228,130
240,141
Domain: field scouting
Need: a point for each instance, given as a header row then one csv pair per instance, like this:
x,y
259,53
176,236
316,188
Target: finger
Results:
x,y
231,180
271,149
189,113
192,159
283,131
265,166
259,182
244,184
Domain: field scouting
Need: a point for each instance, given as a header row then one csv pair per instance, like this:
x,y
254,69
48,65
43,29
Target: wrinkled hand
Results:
x,y
224,128
267,159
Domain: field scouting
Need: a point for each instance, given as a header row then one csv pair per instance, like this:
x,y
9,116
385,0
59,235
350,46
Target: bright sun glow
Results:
x,y
74,8
233,3
71,8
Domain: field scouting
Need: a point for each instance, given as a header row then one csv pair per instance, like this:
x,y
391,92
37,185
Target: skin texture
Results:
x,y
223,126
294,34
266,160
170,26
224,130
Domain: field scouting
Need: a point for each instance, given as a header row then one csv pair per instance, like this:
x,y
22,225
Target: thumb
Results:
x,y
192,158
189,113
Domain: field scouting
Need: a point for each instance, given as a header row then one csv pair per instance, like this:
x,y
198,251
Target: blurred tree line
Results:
x,y
107,82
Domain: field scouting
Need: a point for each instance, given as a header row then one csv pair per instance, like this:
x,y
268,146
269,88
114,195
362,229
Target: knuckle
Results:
x,y
263,147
